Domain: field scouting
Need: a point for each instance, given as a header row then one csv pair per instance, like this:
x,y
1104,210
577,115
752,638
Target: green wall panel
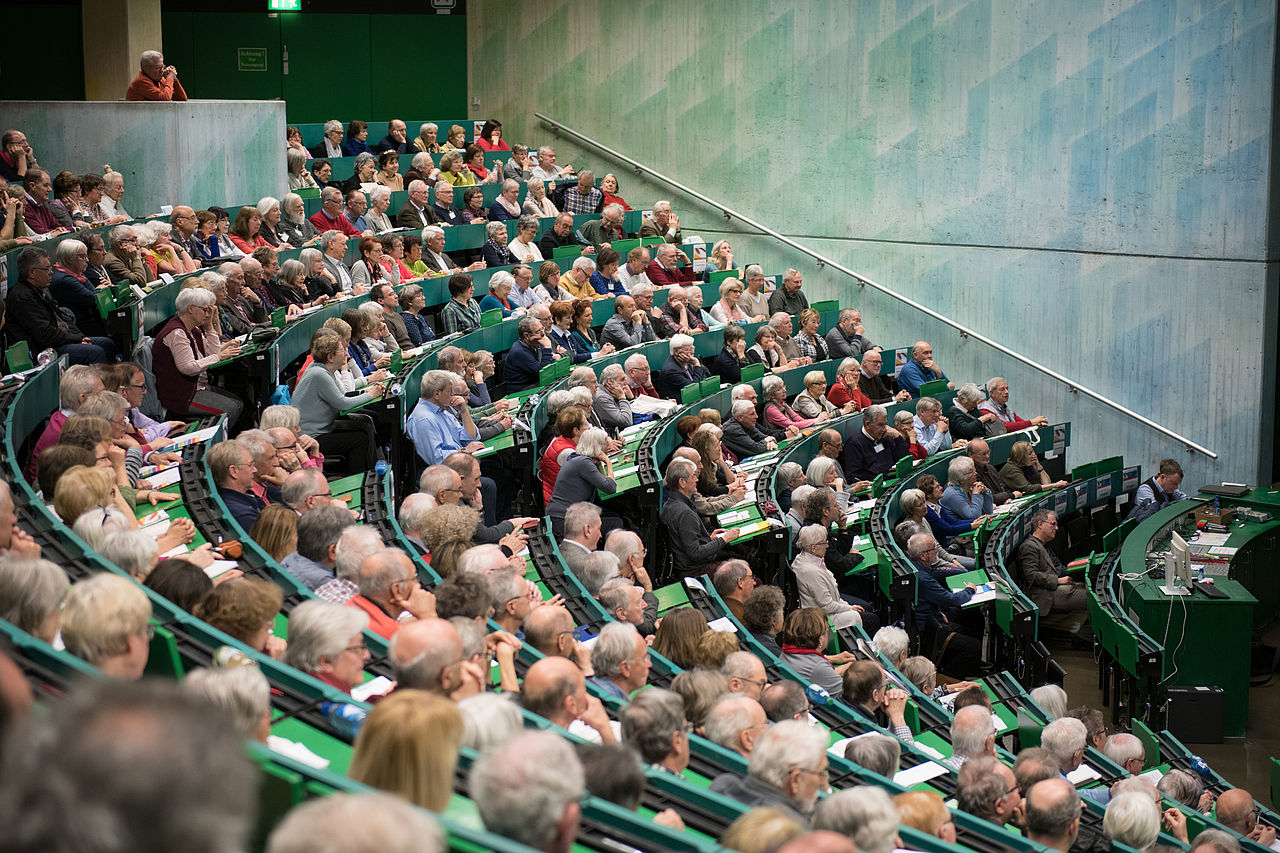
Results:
x,y
421,68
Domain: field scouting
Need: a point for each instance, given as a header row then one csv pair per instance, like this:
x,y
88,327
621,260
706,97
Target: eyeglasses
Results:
x,y
825,775
359,648
151,632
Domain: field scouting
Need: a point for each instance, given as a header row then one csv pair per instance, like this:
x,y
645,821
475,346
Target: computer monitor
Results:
x,y
1179,573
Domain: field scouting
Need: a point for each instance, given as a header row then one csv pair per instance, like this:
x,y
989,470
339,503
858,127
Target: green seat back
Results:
x,y
1150,744
18,357
567,252
937,386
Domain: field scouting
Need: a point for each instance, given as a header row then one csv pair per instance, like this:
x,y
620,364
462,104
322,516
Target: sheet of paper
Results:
x,y
732,518
1223,550
167,477
724,623
920,773
985,593
1153,776
372,687
1211,538
217,567
297,752
1082,774
694,583
619,473
862,506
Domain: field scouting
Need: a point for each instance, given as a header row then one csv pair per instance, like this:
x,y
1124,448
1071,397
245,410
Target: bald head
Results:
x,y
1234,810
552,688
545,627
977,447
425,654
1053,813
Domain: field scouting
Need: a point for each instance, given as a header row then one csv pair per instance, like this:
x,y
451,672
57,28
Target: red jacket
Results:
x,y
144,89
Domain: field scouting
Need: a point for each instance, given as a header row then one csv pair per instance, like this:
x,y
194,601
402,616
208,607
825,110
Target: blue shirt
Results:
x,y
912,376
971,507
358,223
930,438
606,286
434,432
306,571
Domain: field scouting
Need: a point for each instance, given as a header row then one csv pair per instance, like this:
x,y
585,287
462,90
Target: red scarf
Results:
x,y
788,649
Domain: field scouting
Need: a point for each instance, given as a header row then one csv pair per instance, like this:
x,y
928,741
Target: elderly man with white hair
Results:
x,y
662,223
1065,740
875,448
620,660
997,403
863,813
604,231
528,790
326,640
786,771
632,272
612,403
356,544
736,722
547,170
681,368
742,436
972,735
416,211
155,81
665,270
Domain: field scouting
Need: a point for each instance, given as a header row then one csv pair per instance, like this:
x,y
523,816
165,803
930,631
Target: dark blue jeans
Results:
x,y
97,351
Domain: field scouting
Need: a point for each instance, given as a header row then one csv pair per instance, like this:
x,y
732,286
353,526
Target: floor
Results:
x,y
1243,761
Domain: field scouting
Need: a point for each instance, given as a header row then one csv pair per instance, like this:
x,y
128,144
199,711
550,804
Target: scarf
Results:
x,y
788,649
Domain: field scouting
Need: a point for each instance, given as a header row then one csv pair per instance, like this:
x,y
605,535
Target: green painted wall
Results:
x,y
343,66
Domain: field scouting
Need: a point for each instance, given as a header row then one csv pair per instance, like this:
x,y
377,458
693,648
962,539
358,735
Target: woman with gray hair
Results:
x,y
294,227
494,250
425,141
966,497
816,583
184,350
507,204
269,230
966,419
863,813
789,475
1133,818
823,472
326,640
376,215
489,720
31,593
523,246
71,288
588,469
536,202
296,165
362,177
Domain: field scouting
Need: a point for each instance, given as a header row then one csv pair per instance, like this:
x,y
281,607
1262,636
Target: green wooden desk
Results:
x,y
1213,648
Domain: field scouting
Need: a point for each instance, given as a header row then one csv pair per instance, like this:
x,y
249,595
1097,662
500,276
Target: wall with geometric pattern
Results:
x,y
1087,184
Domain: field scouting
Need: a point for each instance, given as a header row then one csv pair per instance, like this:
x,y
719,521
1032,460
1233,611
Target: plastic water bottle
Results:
x,y
397,389
1198,764
817,694
380,468
46,356
346,718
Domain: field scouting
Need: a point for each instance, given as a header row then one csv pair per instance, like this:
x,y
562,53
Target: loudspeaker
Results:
x,y
1195,713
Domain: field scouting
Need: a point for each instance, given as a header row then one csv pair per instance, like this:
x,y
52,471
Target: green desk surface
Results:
x,y
625,457
248,348
144,507
977,577
671,596
324,745
501,441
362,405
346,484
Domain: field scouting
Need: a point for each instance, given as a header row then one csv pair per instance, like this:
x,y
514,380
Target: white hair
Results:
x,y
1052,698
678,341
969,393
959,470
1063,738
587,265
523,787
891,641
784,747
321,629
970,730
489,720
1133,819
133,551
864,813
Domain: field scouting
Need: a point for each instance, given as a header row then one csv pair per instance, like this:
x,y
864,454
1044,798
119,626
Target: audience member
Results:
x,y
408,746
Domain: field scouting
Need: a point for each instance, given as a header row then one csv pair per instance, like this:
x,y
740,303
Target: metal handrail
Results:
x,y
965,332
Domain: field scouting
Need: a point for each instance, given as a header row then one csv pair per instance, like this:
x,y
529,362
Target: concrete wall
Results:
x,y
1086,184
169,153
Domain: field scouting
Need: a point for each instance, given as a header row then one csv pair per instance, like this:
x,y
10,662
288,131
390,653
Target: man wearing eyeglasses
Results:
x,y
34,316
1237,810
987,789
183,220
391,593
124,261
233,471
788,770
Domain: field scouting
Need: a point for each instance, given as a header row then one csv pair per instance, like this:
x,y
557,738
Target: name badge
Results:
x,y
878,447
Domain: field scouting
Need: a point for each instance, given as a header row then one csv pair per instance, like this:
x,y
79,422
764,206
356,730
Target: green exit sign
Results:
x,y
284,5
